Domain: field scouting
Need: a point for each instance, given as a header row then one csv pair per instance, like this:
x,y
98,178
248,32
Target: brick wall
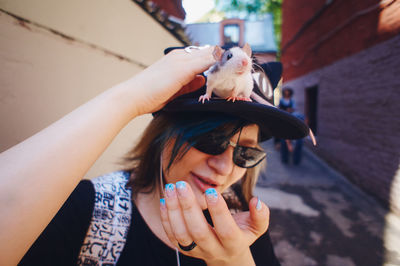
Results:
x,y
359,117
362,28
172,7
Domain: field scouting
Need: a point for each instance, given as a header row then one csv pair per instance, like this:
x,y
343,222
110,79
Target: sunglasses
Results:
x,y
216,143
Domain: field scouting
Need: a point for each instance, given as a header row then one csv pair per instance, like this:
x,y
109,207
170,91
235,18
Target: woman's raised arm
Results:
x,y
38,174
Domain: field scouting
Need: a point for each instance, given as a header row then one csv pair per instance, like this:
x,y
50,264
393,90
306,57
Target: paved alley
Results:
x,y
319,218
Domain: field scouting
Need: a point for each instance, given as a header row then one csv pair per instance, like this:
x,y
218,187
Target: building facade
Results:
x,y
342,59
259,34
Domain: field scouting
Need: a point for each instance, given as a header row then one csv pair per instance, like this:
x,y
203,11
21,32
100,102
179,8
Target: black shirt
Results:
x,y
60,242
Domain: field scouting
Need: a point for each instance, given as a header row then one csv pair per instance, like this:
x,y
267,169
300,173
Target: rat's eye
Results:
x,y
228,56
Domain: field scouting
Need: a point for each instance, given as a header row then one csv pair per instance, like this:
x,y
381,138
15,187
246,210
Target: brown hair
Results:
x,y
143,160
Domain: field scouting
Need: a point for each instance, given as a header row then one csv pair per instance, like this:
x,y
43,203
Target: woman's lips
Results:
x,y
204,183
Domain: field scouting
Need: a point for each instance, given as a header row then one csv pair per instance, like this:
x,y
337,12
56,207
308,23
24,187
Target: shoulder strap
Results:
x,y
108,229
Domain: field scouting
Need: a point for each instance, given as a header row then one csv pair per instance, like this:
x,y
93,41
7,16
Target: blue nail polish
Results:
x,y
180,184
169,187
162,202
258,206
211,192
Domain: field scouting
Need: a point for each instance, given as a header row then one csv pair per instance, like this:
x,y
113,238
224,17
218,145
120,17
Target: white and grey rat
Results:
x,y
230,77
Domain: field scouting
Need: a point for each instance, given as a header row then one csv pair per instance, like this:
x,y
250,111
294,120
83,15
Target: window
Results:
x,y
231,34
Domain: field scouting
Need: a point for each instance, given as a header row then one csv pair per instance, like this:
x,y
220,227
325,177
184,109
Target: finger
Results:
x,y
202,58
259,218
198,60
175,216
165,222
194,85
197,224
225,226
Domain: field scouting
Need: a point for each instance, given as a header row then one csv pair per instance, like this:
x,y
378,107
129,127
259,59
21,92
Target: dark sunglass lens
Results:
x,y
210,144
247,157
209,148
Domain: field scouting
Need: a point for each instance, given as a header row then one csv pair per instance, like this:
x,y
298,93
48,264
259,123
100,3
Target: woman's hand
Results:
x,y
174,74
228,242
50,164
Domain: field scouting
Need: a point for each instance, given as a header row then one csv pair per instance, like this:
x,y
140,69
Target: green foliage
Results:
x,y
255,8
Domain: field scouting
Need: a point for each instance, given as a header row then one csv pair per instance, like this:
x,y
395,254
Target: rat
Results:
x,y
230,77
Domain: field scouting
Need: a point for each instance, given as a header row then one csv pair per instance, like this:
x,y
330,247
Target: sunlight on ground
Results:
x,y
391,236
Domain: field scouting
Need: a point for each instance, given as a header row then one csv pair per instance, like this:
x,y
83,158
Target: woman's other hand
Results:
x,y
228,242
174,74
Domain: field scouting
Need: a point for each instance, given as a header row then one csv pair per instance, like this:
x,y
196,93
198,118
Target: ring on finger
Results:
x,y
189,247
189,48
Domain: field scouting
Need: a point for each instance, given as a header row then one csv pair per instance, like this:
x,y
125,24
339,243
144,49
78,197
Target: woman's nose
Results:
x,y
222,163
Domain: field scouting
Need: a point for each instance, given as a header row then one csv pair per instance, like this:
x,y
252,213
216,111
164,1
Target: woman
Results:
x,y
187,162
287,103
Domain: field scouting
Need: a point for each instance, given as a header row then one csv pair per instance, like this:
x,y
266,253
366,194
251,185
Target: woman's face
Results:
x,y
203,171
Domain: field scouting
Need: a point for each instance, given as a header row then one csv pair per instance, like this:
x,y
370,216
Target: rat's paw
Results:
x,y
237,98
246,99
232,98
204,97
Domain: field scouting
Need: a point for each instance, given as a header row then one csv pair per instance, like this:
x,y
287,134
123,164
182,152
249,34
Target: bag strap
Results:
x,y
111,218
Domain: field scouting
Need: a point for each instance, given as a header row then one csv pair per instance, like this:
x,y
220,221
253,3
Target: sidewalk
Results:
x,y
319,218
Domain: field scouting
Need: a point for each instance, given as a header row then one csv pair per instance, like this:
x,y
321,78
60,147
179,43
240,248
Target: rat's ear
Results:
x,y
247,49
217,53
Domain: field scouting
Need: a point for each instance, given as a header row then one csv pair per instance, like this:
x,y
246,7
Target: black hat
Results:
x,y
272,121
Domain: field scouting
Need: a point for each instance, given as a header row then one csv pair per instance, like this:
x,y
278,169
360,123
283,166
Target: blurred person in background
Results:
x,y
287,103
290,149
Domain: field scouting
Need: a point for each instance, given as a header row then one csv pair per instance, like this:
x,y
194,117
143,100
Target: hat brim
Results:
x,y
272,121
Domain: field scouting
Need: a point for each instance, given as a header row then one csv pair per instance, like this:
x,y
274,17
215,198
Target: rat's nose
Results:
x,y
244,62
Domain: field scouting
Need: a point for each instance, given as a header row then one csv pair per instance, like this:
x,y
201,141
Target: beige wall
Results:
x,y
117,25
43,76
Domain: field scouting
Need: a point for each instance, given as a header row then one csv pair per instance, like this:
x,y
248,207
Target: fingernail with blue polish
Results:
x,y
211,195
169,190
181,187
258,206
162,203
